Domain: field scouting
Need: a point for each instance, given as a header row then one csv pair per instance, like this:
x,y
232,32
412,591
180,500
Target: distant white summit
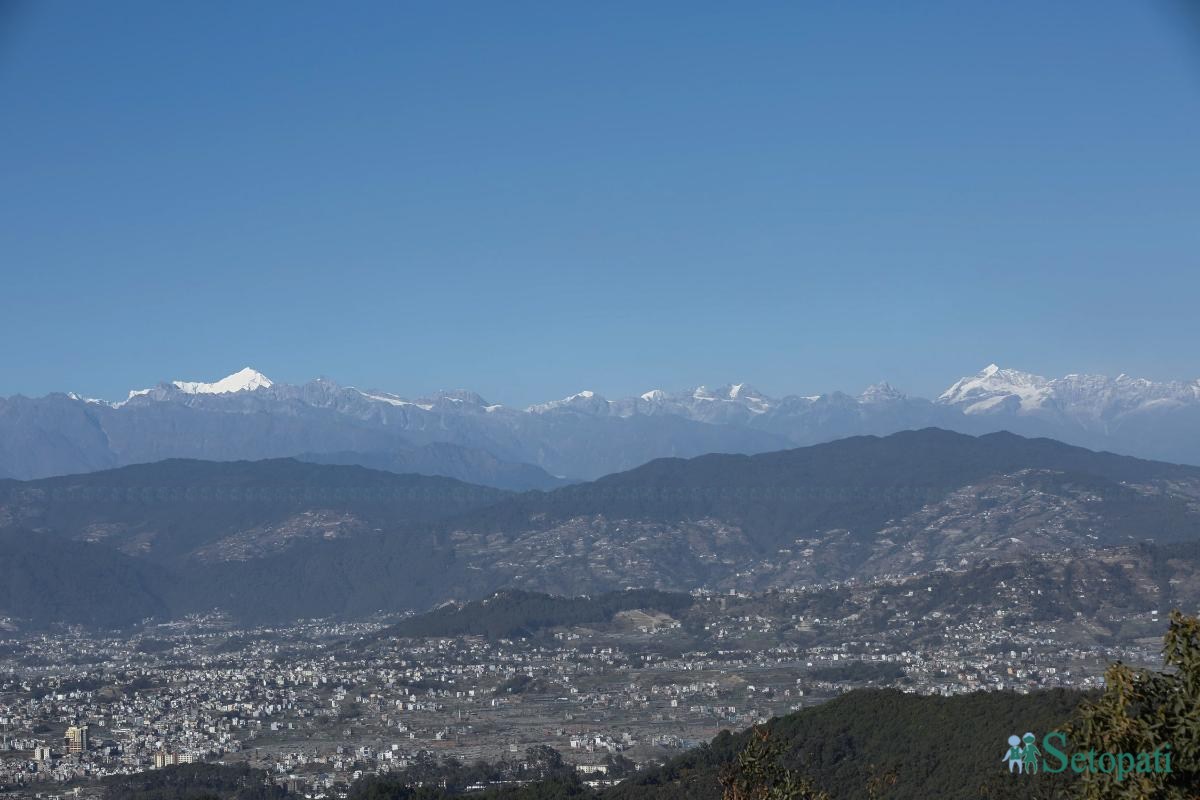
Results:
x,y
993,386
1086,399
882,392
993,391
586,435
586,401
244,380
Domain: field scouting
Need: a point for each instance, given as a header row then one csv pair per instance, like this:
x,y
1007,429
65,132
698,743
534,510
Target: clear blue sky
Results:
x,y
531,199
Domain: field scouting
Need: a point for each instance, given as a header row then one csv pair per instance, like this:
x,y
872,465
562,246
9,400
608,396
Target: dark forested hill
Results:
x,y
43,582
932,746
448,460
279,539
856,484
514,613
265,540
911,502
217,511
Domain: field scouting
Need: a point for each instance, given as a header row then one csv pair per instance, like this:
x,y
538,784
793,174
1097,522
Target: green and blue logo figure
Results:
x,y
1023,753
1024,757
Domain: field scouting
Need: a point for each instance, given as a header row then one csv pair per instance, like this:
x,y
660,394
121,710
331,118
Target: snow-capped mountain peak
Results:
x,y
462,396
586,401
80,398
391,399
1150,418
882,392
1094,401
720,404
244,380
744,393
994,387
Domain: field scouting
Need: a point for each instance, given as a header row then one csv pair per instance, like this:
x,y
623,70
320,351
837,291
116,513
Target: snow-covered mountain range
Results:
x,y
247,416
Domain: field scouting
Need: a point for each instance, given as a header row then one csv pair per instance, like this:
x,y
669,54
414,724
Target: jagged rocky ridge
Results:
x,y
247,416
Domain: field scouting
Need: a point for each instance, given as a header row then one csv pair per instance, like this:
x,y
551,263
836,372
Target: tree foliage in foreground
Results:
x,y
1143,711
195,782
758,773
